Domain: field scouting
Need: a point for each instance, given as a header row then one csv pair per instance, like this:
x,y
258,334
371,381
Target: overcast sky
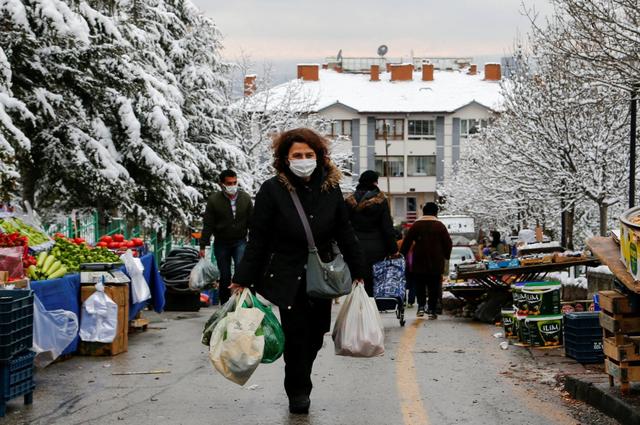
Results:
x,y
296,29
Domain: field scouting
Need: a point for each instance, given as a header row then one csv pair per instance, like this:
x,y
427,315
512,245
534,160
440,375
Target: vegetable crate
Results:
x,y
620,320
16,322
16,379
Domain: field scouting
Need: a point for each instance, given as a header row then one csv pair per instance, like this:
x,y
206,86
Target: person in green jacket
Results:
x,y
226,218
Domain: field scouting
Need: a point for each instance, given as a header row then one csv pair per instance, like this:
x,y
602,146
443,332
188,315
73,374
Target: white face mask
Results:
x,y
302,167
231,190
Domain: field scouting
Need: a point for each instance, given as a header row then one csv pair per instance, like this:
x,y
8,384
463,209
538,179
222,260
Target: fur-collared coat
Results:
x,y
371,220
276,255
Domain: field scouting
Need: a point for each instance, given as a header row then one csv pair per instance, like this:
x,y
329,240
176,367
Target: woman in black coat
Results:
x,y
371,220
275,259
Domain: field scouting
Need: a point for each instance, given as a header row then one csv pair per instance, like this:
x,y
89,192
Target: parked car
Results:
x,y
460,255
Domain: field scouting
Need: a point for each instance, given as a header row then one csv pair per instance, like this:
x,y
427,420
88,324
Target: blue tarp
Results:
x,y
63,293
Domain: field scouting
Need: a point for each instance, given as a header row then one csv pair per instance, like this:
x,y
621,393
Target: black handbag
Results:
x,y
324,280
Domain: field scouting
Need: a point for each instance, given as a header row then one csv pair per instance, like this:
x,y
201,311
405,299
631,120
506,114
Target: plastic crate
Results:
x,y
16,379
585,349
584,324
16,322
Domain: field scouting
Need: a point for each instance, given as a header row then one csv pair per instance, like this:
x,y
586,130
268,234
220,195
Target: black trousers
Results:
x,y
304,327
431,283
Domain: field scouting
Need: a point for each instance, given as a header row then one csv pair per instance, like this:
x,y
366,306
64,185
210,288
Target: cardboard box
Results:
x,y
120,295
4,276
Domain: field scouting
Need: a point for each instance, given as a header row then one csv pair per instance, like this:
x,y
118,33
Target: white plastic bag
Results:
x,y
53,331
99,319
235,348
203,275
139,288
358,331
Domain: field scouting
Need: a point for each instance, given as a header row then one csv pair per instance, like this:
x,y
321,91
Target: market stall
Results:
x,y
52,268
480,282
620,315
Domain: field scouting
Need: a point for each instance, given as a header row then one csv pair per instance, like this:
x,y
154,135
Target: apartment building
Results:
x,y
425,115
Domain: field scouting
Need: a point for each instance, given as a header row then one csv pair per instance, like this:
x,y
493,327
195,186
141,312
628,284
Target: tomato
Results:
x,y
78,241
137,241
118,237
102,244
106,238
114,245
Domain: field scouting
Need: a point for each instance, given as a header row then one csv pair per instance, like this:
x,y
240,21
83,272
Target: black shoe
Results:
x,y
433,316
420,312
299,404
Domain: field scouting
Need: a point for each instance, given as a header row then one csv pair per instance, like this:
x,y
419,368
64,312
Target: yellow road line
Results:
x,y
413,411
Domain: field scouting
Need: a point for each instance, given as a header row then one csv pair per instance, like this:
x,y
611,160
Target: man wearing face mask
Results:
x,y
226,218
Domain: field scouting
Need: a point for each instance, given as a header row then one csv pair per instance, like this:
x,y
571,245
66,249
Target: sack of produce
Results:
x,y
358,330
11,261
215,318
272,331
237,342
204,275
53,331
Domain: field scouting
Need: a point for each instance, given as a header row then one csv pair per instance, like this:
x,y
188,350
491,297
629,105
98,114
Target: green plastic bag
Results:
x,y
273,333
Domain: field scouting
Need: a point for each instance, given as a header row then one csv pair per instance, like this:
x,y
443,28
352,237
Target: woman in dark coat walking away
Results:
x,y
371,220
275,259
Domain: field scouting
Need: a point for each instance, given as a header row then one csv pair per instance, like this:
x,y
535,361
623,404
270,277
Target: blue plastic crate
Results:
x,y
583,324
583,348
16,322
16,379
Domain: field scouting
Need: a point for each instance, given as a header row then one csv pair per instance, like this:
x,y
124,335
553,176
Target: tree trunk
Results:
x,y
570,218
28,177
603,219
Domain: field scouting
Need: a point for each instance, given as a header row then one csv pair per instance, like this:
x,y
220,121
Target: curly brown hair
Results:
x,y
282,144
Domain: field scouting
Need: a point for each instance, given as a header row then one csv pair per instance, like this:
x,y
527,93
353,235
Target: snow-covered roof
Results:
x,y
448,92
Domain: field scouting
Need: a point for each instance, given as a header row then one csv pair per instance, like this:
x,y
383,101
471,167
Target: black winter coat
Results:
x,y
275,259
371,220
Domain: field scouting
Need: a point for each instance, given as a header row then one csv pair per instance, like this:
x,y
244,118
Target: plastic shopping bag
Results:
x,y
358,330
204,275
139,288
273,333
237,342
99,317
11,260
53,331
215,318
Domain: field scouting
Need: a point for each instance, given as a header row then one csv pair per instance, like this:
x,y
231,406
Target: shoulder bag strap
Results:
x,y
305,223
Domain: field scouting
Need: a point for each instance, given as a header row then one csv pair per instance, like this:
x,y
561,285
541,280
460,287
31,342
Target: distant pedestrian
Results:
x,y
276,256
410,285
431,248
372,223
226,217
497,246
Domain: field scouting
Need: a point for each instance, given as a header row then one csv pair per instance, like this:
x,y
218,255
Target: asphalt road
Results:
x,y
448,371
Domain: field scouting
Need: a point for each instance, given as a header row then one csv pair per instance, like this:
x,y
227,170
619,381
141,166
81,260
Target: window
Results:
x,y
421,166
422,129
395,166
472,126
395,129
340,128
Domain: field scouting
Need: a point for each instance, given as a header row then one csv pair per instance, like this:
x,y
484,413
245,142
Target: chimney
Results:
x,y
375,72
249,84
308,72
473,69
492,72
427,72
325,66
388,67
402,72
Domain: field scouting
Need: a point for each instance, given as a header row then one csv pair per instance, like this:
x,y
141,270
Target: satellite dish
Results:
x,y
382,50
339,56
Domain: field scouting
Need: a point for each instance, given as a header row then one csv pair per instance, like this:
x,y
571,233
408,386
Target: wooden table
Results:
x,y
491,278
608,252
